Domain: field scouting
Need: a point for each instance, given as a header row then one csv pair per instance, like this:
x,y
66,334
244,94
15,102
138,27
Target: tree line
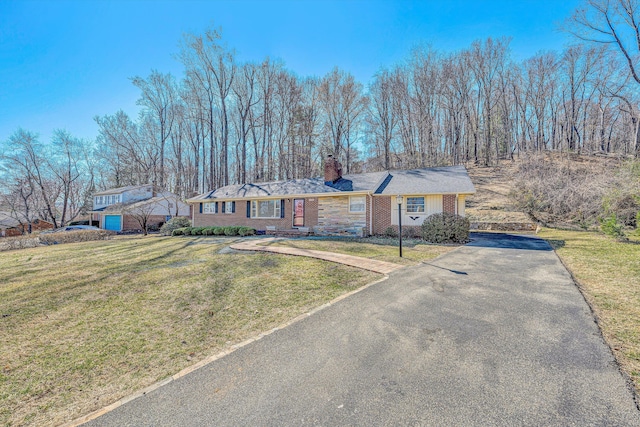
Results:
x,y
224,121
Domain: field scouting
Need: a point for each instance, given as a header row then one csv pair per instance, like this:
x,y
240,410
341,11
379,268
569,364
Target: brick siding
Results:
x,y
449,203
381,214
239,217
129,223
37,225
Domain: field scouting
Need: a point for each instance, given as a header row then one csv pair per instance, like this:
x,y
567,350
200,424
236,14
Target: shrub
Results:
x,y
173,224
446,228
390,232
197,231
411,232
231,231
218,231
18,242
611,226
577,192
208,231
184,231
74,236
246,231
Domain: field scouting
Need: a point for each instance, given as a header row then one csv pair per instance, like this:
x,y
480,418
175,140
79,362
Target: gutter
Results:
x,y
284,196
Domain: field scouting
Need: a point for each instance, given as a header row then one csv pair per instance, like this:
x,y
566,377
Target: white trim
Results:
x,y
277,209
406,205
208,208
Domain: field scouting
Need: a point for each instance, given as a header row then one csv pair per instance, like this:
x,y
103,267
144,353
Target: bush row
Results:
x,y
74,236
173,224
18,242
214,231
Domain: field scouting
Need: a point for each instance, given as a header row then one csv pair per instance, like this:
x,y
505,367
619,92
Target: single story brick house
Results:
x,y
359,204
11,227
128,208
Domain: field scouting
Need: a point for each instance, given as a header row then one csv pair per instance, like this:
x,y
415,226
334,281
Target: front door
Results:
x,y
298,212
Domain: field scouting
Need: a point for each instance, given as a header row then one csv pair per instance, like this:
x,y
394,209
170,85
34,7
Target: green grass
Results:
x,y
84,324
608,272
383,249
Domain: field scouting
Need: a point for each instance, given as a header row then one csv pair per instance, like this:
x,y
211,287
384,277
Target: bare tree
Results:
x,y
26,156
159,98
342,102
245,91
382,114
615,24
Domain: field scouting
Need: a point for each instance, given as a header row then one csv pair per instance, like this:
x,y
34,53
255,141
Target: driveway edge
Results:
x,y
596,320
95,414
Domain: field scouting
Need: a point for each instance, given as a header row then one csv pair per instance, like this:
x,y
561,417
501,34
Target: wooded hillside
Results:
x,y
224,122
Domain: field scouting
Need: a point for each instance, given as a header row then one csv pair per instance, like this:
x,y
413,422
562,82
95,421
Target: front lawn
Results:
x,y
84,324
383,249
608,272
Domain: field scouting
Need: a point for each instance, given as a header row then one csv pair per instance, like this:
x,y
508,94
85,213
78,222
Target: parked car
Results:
x,y
71,228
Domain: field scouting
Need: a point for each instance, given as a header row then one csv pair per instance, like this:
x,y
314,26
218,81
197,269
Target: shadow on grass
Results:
x,y
556,244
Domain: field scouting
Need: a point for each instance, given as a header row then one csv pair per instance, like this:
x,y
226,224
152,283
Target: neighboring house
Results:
x,y
11,227
359,204
132,208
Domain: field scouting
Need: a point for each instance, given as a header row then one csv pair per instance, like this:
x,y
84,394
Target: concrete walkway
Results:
x,y
354,261
494,333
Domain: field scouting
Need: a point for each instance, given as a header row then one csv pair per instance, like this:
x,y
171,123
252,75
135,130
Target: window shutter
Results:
x,y
200,207
281,208
216,209
223,209
233,207
248,209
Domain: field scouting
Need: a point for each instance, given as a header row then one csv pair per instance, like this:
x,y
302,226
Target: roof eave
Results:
x,y
282,196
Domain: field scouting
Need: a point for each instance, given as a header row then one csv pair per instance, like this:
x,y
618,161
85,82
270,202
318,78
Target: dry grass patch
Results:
x,y
84,324
609,275
413,251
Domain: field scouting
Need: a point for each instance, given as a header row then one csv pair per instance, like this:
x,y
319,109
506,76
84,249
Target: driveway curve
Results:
x,y
492,333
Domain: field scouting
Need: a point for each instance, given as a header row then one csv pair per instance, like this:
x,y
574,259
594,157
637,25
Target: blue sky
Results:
x,y
64,62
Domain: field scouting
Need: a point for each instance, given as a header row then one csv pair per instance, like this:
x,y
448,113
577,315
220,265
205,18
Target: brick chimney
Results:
x,y
332,170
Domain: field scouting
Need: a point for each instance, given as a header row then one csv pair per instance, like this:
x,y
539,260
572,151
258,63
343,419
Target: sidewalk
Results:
x,y
382,267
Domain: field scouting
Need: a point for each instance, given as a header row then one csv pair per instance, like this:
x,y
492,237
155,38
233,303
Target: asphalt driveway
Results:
x,y
493,333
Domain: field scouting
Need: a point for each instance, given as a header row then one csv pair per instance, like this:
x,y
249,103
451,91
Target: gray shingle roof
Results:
x,y
442,180
453,179
120,189
358,182
7,221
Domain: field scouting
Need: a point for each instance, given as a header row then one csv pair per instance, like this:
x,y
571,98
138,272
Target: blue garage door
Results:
x,y
112,222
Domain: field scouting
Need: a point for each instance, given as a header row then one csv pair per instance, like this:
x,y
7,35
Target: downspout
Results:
x,y
370,214
455,209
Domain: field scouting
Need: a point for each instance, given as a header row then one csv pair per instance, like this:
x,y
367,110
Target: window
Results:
x,y
357,203
415,204
96,200
265,209
228,207
209,208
